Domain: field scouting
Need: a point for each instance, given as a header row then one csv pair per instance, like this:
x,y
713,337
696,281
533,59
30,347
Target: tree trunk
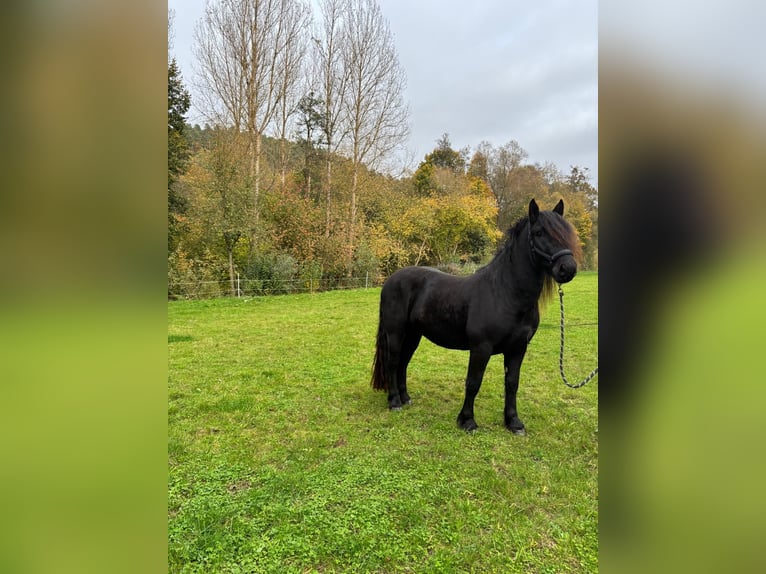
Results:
x,y
283,162
328,184
420,252
352,221
231,271
257,177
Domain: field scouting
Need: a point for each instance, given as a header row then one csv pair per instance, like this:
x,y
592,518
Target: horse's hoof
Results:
x,y
408,402
519,432
395,409
468,426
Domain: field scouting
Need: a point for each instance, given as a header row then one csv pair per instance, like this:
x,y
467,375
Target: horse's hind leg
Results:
x,y
396,344
409,346
391,368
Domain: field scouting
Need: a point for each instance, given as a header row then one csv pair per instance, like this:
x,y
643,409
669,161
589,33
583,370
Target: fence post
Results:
x,y
239,292
366,279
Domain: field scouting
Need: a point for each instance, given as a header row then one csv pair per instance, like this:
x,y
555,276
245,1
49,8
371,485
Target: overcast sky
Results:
x,y
495,70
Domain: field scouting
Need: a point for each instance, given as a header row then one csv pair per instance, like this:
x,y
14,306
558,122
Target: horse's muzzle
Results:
x,y
564,269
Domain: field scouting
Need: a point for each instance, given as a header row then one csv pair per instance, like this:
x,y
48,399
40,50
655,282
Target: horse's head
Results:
x,y
553,242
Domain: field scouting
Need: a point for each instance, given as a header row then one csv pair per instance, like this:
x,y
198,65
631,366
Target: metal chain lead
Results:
x,y
593,373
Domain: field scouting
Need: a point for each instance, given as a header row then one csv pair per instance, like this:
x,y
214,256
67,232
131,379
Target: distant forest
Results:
x,y
289,186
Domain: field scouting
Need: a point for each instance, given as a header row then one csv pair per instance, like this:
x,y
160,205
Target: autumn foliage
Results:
x,y
440,215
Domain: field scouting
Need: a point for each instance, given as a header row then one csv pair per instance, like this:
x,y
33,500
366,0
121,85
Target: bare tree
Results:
x,y
332,79
375,111
242,48
291,69
220,50
503,166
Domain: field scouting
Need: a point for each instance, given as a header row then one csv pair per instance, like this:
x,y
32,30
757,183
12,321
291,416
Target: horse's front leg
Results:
x,y
476,367
512,362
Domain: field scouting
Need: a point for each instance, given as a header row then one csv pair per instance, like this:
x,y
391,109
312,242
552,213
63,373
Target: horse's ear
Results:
x,y
534,211
559,208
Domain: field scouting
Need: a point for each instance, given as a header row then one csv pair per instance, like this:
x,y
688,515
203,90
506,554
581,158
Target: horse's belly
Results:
x,y
447,339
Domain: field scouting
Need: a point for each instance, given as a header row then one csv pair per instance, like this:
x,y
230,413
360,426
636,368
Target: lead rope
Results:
x,y
593,373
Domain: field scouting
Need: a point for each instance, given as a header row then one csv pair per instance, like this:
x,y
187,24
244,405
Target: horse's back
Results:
x,y
409,283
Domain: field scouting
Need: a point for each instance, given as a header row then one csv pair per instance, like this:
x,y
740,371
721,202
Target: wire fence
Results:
x,y
260,287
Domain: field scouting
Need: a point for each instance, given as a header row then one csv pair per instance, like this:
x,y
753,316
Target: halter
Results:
x,y
549,259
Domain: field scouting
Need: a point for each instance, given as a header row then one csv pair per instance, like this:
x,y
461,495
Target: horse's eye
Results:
x,y
539,233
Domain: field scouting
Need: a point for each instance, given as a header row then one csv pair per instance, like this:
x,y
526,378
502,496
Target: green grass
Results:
x,y
282,459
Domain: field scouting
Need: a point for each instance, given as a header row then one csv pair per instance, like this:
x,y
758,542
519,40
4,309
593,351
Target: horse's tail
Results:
x,y
379,381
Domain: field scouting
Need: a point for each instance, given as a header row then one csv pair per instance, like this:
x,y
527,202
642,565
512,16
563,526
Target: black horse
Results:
x,y
493,311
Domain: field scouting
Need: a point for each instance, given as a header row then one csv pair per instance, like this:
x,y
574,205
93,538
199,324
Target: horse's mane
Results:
x,y
558,228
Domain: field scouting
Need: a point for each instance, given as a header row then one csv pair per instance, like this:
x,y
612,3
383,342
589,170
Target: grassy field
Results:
x,y
282,459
